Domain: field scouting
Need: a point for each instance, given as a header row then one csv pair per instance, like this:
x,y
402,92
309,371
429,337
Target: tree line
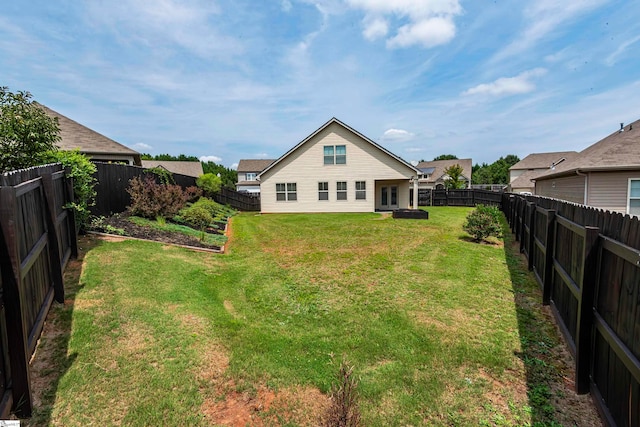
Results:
x,y
494,173
228,176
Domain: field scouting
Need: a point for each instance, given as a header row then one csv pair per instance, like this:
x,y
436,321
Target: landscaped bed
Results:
x,y
439,330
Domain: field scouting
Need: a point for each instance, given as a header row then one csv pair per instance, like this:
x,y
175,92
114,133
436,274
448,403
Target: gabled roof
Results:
x,y
618,151
543,160
253,165
74,135
439,167
188,168
524,179
350,129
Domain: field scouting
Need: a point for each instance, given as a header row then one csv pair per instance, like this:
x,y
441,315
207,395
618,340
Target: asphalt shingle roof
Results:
x,y
253,165
180,167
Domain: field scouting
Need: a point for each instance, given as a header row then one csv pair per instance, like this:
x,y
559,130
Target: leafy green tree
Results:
x,y
446,157
454,172
229,177
210,183
82,171
27,133
495,173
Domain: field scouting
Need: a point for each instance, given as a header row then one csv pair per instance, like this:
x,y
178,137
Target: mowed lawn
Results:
x,y
158,335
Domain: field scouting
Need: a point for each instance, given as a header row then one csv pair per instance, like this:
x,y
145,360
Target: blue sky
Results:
x,y
232,79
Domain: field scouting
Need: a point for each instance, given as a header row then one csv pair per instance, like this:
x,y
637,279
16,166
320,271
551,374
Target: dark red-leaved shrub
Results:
x,y
151,200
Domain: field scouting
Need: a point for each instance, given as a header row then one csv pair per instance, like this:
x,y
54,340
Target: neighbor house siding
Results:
x,y
570,188
305,167
608,190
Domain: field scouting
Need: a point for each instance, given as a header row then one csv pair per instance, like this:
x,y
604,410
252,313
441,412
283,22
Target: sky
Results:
x,y
226,80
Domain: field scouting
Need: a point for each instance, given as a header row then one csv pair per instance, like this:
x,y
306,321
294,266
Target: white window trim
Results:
x,y
286,192
345,192
364,199
629,198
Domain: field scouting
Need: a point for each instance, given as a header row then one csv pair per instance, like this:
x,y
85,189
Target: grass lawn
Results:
x,y
439,330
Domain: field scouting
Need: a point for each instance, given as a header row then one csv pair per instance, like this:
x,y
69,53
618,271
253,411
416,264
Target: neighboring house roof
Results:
x,y
543,160
188,168
524,179
350,129
618,151
253,165
439,167
74,135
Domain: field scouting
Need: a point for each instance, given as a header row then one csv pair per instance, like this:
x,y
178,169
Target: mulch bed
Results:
x,y
122,221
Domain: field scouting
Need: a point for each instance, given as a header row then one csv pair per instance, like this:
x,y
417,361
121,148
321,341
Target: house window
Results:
x,y
633,207
361,190
250,176
335,154
341,190
323,191
286,192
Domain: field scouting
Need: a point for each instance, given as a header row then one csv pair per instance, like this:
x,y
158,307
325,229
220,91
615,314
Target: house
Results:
x,y
248,170
188,168
94,145
532,166
337,169
605,175
433,175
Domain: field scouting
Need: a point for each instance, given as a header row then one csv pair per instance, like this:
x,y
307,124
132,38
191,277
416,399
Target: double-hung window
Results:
x,y
341,190
633,204
286,192
335,154
323,191
250,176
361,190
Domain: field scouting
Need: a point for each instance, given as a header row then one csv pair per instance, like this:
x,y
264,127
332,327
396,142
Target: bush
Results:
x,y
344,410
198,217
484,222
81,170
210,183
151,200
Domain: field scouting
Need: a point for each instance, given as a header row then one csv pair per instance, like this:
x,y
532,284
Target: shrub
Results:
x,y
198,217
484,222
164,175
81,170
151,200
210,183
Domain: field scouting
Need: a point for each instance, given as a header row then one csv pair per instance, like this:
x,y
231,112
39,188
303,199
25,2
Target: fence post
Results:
x,y
585,309
16,335
549,245
55,257
532,234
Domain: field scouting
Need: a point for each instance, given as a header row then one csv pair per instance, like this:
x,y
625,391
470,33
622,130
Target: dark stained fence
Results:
x,y
237,200
113,181
465,197
587,262
37,238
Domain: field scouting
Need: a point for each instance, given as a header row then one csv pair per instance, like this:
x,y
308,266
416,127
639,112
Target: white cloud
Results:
x,y
375,28
286,5
214,159
428,33
396,135
142,146
430,23
234,166
414,150
544,17
613,58
505,86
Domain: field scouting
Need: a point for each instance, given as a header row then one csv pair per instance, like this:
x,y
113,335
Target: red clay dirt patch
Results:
x,y
264,407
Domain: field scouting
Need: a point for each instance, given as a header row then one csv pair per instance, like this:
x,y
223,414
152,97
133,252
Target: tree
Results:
x,y
454,172
446,157
495,173
209,183
27,133
229,177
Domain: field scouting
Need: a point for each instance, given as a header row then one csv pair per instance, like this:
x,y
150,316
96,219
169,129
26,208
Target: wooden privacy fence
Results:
x,y
113,181
465,197
587,262
37,238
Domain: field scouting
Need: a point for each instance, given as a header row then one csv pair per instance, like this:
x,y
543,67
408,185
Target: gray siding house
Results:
x,y
522,173
605,175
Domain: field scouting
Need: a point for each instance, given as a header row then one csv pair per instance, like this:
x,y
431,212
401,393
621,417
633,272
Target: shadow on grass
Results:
x,y
51,360
542,351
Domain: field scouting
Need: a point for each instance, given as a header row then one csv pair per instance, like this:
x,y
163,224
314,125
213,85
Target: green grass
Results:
x,y
430,321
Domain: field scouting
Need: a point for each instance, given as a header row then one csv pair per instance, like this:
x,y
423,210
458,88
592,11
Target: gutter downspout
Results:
x,y
586,185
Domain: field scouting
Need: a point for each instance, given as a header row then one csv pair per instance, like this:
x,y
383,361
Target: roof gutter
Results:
x,y
586,185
